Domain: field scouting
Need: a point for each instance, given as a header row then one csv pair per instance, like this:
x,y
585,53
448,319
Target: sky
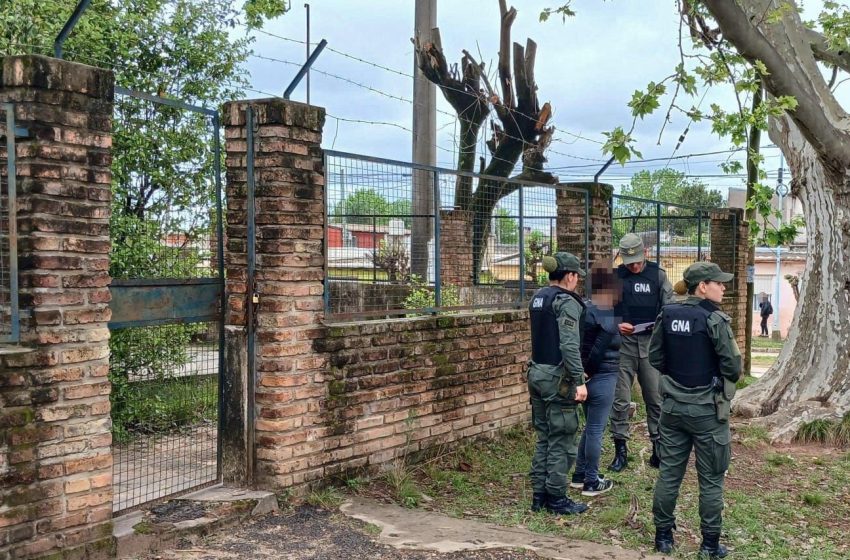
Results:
x,y
587,68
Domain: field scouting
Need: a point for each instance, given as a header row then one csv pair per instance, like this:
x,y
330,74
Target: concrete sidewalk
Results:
x,y
415,529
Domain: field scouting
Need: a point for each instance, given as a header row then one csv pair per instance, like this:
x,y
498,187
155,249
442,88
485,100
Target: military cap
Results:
x,y
631,248
705,271
562,261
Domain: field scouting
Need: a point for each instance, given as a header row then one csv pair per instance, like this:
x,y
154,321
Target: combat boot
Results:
x,y
538,501
562,505
711,549
664,540
621,456
655,460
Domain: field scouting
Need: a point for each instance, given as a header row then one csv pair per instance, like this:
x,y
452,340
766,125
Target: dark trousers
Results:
x,y
764,325
597,407
710,439
555,422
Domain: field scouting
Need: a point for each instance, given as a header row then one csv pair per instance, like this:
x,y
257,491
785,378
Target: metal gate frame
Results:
x,y
12,132
151,302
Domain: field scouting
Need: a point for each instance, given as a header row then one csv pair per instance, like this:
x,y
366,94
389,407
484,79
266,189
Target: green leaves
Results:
x,y
564,11
645,102
620,145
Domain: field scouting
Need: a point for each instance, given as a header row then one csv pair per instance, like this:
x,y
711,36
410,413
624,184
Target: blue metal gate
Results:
x,y
166,262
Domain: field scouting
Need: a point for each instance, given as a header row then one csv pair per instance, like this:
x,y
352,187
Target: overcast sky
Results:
x,y
587,67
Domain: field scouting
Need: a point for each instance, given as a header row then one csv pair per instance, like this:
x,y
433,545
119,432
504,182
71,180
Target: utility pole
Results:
x,y
424,146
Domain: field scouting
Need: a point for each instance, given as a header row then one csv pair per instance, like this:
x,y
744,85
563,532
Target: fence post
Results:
x,y
699,235
658,233
438,293
521,247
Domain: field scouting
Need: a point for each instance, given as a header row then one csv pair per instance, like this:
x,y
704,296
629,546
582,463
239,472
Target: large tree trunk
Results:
x,y
811,378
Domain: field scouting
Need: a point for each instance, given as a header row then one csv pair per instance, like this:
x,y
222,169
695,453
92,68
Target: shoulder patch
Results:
x,y
723,316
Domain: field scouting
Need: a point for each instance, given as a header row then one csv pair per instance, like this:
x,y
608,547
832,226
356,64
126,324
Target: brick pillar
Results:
x,y
55,455
571,224
729,244
290,213
456,247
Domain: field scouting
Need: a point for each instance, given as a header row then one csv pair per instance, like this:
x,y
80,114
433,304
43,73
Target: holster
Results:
x,y
723,396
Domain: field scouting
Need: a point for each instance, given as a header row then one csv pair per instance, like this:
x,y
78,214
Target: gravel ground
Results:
x,y
309,533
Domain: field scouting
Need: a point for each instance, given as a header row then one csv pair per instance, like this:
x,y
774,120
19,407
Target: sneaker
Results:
x,y
578,480
562,505
599,487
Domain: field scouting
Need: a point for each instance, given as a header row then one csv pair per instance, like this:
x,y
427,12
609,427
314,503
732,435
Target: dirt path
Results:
x,y
382,532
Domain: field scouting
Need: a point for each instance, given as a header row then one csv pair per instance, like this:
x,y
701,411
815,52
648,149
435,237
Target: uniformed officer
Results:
x,y
645,289
693,347
556,383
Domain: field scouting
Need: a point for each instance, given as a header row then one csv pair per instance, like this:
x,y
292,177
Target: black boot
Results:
x,y
711,549
562,505
538,501
655,460
621,459
664,540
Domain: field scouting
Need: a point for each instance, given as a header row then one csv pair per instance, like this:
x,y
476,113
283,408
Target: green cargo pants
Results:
x,y
631,366
555,422
686,426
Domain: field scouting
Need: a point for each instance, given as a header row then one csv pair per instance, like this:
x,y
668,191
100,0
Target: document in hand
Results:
x,y
643,327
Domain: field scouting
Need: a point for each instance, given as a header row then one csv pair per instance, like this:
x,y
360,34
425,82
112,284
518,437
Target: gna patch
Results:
x,y
680,326
642,288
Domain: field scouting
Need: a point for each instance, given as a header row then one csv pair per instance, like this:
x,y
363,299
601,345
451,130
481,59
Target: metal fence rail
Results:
x,y
9,314
675,235
167,342
475,242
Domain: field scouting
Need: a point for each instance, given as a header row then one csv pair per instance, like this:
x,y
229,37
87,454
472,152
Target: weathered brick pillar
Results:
x,y
55,455
571,224
290,213
729,241
456,247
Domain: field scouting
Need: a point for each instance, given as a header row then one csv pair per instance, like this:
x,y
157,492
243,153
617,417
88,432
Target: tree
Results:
x,y
811,378
163,187
667,185
506,228
521,130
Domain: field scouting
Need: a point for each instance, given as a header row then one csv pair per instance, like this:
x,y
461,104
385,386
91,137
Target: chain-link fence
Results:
x,y
674,235
406,239
9,325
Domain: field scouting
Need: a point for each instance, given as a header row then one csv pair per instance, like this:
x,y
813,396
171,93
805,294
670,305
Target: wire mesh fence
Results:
x,y
164,364
674,235
404,239
9,326
164,410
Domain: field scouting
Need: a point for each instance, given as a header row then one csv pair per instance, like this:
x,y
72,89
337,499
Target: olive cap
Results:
x,y
562,261
631,248
704,272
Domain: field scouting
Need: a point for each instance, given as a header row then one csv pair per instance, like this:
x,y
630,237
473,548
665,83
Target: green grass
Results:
x,y
831,432
763,360
759,342
326,498
778,505
163,406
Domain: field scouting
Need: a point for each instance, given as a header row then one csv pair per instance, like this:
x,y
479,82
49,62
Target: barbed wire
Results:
x,y
406,75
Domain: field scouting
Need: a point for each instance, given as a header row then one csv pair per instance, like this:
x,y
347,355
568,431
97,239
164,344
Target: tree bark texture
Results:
x,y
811,378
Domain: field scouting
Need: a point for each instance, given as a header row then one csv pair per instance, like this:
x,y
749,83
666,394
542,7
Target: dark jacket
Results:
x,y
600,349
766,309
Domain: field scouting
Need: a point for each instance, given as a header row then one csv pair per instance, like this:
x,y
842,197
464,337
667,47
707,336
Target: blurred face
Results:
x,y
604,297
712,291
635,268
571,280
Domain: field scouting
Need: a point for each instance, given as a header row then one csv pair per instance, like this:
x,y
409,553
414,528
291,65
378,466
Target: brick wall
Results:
x,y
729,245
55,457
571,224
456,247
332,398
408,385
